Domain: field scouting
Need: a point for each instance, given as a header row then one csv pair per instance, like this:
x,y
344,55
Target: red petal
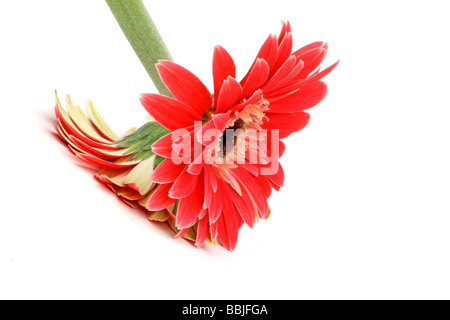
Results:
x,y
202,213
196,168
294,86
185,86
319,75
286,28
213,228
166,145
220,120
264,184
228,226
268,52
305,98
202,231
312,59
289,66
209,193
253,187
251,168
160,198
258,75
245,205
184,185
163,146
190,207
278,178
223,67
254,98
230,93
287,123
281,145
170,113
207,137
317,44
167,171
284,51
181,233
95,151
215,208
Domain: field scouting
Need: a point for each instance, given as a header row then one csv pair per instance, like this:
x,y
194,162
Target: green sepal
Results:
x,y
139,143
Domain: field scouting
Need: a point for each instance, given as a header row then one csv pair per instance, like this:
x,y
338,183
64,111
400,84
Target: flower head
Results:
x,y
210,174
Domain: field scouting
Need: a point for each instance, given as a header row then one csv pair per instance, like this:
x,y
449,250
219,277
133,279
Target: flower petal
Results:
x,y
319,75
209,192
107,154
257,194
317,44
278,178
190,207
289,66
161,215
113,176
69,128
228,226
258,75
99,123
82,122
170,113
285,28
304,98
245,205
284,51
104,163
160,198
303,82
223,67
268,52
287,123
185,86
264,185
220,120
213,226
184,185
129,194
229,94
202,231
163,146
215,208
139,177
167,171
312,60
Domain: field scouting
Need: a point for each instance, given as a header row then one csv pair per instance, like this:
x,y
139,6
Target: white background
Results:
x,y
365,211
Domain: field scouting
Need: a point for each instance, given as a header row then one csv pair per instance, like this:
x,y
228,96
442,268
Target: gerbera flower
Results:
x,y
214,196
185,169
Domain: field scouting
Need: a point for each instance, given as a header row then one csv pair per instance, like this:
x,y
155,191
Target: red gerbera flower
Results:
x,y
202,181
213,195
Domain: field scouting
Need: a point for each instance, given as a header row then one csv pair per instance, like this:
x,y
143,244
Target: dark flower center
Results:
x,y
228,139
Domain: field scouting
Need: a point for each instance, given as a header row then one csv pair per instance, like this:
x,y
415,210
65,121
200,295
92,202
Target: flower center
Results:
x,y
242,127
228,140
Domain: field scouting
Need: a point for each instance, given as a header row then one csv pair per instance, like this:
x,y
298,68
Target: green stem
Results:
x,y
143,36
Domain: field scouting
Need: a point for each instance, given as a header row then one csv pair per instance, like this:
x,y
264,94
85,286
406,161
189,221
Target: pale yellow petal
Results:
x,y
160,215
140,175
98,121
116,176
82,122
